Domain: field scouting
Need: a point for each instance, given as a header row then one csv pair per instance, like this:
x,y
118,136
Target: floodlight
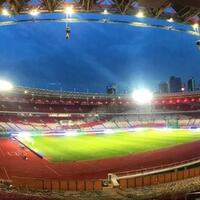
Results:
x,y
69,10
170,20
140,14
142,96
5,85
105,12
34,12
5,12
195,27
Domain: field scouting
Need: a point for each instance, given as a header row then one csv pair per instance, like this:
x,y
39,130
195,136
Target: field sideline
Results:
x,y
100,146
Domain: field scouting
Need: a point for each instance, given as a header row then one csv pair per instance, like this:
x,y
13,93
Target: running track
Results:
x,y
12,164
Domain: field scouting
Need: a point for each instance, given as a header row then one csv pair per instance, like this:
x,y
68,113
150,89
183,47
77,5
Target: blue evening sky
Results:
x,y
38,55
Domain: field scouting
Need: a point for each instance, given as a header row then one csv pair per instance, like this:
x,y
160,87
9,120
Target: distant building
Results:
x,y
126,91
183,89
163,87
175,84
111,89
191,85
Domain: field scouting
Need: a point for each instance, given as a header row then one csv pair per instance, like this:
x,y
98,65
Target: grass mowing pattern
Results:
x,y
92,147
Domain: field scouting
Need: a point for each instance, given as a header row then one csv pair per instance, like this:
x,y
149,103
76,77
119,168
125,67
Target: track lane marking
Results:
x,y
6,173
54,171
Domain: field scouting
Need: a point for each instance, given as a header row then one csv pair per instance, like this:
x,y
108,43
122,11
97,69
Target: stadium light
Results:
x,y
69,10
105,12
195,27
34,12
142,96
5,12
140,14
5,85
170,20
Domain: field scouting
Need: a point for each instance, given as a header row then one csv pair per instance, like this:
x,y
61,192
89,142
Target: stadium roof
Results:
x,y
185,11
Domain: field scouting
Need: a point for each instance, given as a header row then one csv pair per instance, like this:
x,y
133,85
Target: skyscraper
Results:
x,y
191,85
163,87
175,84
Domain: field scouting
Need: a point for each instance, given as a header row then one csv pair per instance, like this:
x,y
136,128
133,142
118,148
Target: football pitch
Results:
x,y
100,146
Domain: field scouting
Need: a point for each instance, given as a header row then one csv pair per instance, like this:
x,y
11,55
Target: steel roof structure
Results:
x,y
185,11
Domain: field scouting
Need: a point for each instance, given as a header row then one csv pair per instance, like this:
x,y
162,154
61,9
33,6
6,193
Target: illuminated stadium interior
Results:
x,y
56,140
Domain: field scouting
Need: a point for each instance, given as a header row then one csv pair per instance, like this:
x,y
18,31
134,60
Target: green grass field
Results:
x,y
92,147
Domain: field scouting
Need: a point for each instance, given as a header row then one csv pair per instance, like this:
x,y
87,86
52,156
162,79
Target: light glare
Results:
x,y
170,20
142,96
5,12
195,27
69,10
105,12
34,12
5,85
140,14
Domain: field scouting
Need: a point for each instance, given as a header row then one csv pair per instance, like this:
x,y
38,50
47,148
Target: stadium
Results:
x,y
93,143
155,144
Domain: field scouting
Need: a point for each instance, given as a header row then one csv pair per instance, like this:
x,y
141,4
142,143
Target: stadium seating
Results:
x,y
39,122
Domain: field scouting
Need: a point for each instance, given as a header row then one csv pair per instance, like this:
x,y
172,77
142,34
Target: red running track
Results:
x,y
12,163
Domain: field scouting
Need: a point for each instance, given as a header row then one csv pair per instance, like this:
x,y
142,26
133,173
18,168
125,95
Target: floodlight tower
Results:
x,y
68,11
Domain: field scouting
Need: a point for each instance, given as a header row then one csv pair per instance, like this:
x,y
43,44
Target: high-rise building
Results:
x,y
175,84
163,87
191,85
111,89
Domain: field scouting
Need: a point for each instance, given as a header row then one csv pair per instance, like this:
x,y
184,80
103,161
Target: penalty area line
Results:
x,y
54,171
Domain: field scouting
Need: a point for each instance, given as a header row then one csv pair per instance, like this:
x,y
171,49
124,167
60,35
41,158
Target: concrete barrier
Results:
x,y
57,185
155,179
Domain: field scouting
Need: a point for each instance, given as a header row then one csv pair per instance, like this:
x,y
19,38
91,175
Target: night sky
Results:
x,y
38,55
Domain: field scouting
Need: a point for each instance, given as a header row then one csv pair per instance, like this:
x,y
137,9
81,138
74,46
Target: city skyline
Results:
x,y
190,85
